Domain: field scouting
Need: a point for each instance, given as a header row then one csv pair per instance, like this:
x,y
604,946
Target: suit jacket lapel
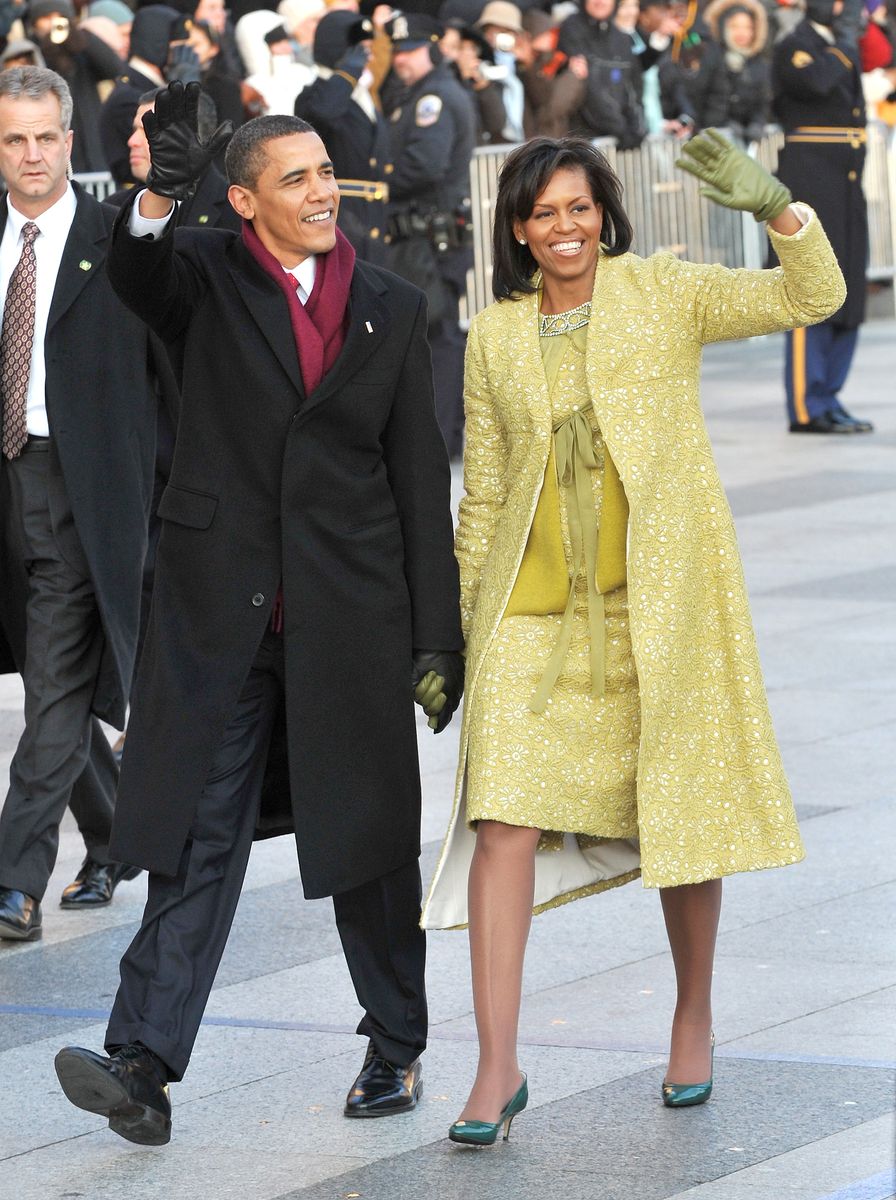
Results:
x,y
369,325
83,256
269,310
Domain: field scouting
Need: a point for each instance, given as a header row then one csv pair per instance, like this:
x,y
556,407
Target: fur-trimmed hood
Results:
x,y
717,13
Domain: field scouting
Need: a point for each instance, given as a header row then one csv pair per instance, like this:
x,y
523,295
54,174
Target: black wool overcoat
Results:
x,y
818,100
344,495
102,423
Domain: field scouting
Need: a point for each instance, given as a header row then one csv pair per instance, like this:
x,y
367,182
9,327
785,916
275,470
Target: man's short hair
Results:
x,y
246,159
207,112
33,83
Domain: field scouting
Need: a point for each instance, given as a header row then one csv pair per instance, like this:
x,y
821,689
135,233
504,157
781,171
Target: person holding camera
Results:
x,y
473,62
83,60
433,133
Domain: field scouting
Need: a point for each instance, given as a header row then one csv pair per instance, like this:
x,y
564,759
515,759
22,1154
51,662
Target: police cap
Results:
x,y
410,30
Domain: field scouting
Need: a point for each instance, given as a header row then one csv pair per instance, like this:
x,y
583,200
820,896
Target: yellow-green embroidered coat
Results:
x,y
712,797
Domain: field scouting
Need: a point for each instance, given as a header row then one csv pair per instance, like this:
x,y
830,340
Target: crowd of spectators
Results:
x,y
605,68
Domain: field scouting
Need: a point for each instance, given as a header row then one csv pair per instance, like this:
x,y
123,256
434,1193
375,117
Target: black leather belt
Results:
x,y
35,441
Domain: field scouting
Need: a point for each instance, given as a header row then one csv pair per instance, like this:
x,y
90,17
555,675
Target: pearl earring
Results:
x,y
522,241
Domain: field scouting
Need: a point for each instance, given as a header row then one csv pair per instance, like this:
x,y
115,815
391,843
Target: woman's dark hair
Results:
x,y
524,176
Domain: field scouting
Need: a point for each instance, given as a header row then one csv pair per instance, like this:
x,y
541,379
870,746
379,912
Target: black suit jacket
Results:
x,y
344,495
102,426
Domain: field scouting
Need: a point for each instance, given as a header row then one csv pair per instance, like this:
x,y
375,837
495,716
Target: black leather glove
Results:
x,y
179,158
183,65
353,62
438,684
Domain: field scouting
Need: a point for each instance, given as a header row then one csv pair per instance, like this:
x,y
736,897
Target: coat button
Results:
x,y
258,599
856,112
852,177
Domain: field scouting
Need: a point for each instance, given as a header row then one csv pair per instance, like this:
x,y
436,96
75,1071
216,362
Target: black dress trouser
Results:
x,y
52,623
168,970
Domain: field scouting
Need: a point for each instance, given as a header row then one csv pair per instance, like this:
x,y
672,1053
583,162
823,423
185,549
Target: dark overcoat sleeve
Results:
x,y
160,286
420,479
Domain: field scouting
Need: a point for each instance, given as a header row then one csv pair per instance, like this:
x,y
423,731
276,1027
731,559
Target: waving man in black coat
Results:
x,y
305,575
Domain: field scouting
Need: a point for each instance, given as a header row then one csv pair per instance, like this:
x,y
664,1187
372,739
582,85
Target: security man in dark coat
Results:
x,y
74,488
305,581
342,110
433,137
819,104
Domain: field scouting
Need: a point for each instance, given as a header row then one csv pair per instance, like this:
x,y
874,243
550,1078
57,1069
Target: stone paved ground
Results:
x,y
806,972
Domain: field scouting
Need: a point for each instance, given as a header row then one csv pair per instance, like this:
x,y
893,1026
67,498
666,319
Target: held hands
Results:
x,y
179,158
438,681
732,178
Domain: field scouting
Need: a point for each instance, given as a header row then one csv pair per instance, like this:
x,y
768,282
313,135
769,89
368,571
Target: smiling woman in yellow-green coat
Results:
x,y
616,722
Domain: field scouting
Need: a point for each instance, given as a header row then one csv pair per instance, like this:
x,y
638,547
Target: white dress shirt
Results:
x,y
54,226
140,226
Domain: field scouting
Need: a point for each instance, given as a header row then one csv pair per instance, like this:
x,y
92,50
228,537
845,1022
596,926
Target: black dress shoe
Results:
x,y
95,884
19,916
383,1088
127,1088
849,423
821,424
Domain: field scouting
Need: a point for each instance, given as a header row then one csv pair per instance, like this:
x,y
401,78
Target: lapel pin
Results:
x,y
85,265
203,220
368,327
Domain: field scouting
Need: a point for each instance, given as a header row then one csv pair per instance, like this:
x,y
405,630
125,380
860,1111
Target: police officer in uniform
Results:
x,y
818,103
433,135
351,125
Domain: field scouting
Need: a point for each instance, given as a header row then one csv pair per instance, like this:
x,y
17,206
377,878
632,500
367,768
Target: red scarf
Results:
x,y
318,327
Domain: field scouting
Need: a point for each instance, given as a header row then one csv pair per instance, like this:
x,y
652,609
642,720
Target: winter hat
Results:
x,y
536,22
501,13
19,48
151,33
46,8
336,32
820,11
114,10
294,12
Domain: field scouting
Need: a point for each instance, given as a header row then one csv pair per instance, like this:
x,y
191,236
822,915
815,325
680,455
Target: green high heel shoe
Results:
x,y
484,1133
683,1095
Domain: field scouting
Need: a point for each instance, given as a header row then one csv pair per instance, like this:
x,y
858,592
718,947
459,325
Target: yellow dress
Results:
x,y
571,768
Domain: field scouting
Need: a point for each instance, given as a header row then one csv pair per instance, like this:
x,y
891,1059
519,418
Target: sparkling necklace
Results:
x,y
553,324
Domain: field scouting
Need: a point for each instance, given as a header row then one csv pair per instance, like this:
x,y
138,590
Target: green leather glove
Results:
x,y
732,178
438,682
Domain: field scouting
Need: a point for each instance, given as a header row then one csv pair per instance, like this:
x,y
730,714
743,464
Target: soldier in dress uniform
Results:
x,y
818,103
433,136
351,125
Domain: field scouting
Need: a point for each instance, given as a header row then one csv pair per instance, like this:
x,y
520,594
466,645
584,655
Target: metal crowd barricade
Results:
x,y
668,212
99,184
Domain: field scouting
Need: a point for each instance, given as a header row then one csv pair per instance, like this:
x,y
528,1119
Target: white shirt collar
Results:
x,y
824,31
55,221
305,273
